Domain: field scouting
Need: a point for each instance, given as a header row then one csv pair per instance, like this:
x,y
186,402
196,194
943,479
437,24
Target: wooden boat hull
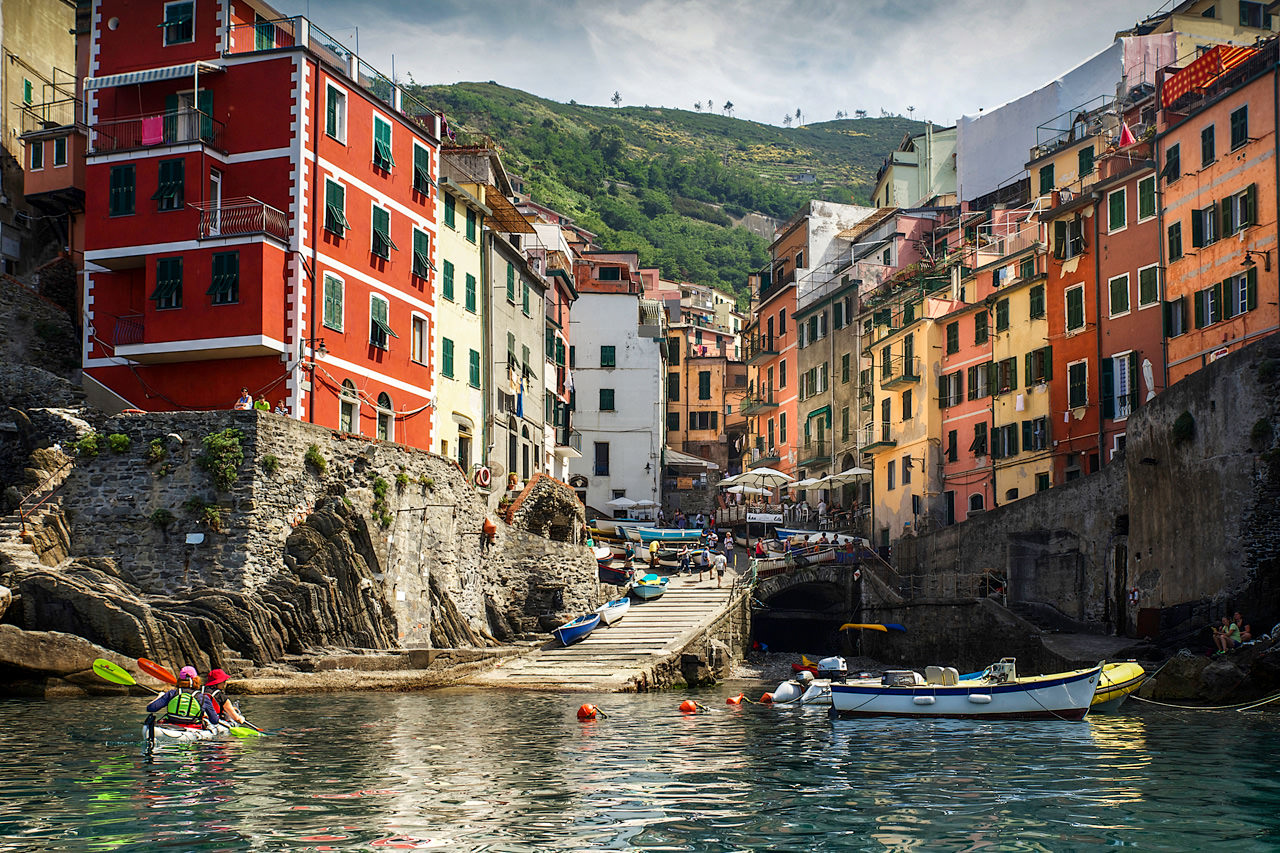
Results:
x,y
576,630
615,575
649,591
1061,696
645,535
1118,680
612,611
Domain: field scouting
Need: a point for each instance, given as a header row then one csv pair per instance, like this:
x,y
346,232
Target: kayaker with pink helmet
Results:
x,y
185,704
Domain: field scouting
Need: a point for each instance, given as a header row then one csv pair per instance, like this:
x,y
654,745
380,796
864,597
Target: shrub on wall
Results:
x,y
156,451
270,463
88,445
1261,432
314,459
162,518
222,457
118,442
1184,427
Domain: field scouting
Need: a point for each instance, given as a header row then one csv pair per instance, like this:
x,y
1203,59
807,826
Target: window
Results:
x,y
704,420
1254,15
168,292
1007,375
1239,127
511,283
1004,441
609,274
60,151
28,92
335,207
980,381
704,384
1148,286
1204,226
381,244
1207,154
952,450
1119,385
606,400
335,113
333,302
379,323
1077,384
422,182
168,194
348,408
844,423
123,183
602,459
421,254
980,328
1116,211
1002,315
446,281
386,418
450,210
1118,288
225,285
418,340
382,158
844,369
36,148
953,338
1172,164
906,470
1175,241
1046,179
1146,198
608,356
179,23
1175,317
673,421
908,410
1039,364
1068,238
951,389
1042,482
1035,301
891,474
1085,157
1075,308
524,297
470,295
978,447
1208,306
471,225
782,427
524,360
1238,211
473,377
782,322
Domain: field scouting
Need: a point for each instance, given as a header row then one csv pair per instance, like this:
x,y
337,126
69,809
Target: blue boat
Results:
x,y
649,587
615,575
664,535
571,632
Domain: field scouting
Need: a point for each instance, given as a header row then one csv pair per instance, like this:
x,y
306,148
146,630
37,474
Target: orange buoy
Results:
x,y
689,706
588,712
766,698
735,700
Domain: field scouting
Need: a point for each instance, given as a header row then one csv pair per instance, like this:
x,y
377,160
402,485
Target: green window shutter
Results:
x,y
381,241
1048,363
1086,160
1225,210
1075,309
382,145
332,303
511,282
524,296
1002,315
1013,374
1133,381
1251,289
1146,198
471,225
1116,211
1200,308
421,254
1060,239
122,192
446,287
1046,179
335,207
1175,241
169,187
1168,319
1249,206
421,170
170,118
1197,229
450,210
471,293
1027,440
475,369
606,399
1108,388
1029,367
1217,300
225,285
168,291
330,113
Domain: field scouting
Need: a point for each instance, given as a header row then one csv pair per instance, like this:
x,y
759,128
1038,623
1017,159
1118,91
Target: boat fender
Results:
x,y
924,700
980,698
590,712
766,698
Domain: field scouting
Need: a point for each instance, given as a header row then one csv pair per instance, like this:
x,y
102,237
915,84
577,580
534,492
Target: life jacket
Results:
x,y
219,699
185,707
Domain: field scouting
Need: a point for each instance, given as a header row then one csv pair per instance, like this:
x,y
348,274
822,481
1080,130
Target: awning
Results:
x,y
150,75
683,460
1201,73
504,213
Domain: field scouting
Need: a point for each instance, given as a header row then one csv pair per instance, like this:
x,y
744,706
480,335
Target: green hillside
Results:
x,y
671,183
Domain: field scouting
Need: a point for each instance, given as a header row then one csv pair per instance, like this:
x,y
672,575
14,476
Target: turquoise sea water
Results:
x,y
497,771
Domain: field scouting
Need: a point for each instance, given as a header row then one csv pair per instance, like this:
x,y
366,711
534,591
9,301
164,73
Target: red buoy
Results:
x,y
689,706
735,700
588,712
766,698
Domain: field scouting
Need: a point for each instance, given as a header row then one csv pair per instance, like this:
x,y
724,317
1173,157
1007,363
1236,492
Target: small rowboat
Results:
x,y
1117,682
612,611
603,555
649,587
663,534
615,575
578,629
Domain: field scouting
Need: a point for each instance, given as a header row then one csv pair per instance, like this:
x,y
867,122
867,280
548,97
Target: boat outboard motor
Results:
x,y
804,677
833,668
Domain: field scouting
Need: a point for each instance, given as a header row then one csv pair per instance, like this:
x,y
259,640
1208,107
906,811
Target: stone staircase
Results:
x,y
13,548
612,656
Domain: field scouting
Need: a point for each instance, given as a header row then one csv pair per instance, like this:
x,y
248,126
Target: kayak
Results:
x,y
156,733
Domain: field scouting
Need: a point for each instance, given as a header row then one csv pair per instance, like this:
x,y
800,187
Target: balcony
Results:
x,y
876,437
758,400
760,347
160,130
568,443
239,216
761,456
129,340
814,452
900,370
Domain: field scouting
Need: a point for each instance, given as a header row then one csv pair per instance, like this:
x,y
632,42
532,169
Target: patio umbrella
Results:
x,y
807,482
746,490
621,503
763,478
646,502
843,478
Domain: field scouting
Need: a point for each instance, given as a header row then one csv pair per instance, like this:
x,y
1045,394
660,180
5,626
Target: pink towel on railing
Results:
x,y
153,130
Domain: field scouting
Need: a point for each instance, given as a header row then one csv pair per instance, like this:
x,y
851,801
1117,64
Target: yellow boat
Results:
x,y
1118,680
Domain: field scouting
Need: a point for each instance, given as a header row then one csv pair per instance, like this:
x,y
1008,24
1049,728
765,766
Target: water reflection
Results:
x,y
512,771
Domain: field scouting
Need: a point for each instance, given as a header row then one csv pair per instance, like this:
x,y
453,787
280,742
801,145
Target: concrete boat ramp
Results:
x,y
614,658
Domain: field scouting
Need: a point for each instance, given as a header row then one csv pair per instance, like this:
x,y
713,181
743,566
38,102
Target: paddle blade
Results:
x,y
244,731
846,626
156,671
108,671
895,626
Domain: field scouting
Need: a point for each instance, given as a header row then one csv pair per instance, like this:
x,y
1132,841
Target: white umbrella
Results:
x,y
747,490
764,478
844,477
807,482
646,502
621,503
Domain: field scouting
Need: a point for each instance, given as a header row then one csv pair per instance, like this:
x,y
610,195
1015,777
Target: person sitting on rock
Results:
x,y
221,703
1246,634
185,704
1227,636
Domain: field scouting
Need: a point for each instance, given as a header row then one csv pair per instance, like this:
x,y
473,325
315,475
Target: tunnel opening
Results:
x,y
806,618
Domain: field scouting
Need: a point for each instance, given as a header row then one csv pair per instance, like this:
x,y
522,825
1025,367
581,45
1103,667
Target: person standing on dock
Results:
x,y
729,555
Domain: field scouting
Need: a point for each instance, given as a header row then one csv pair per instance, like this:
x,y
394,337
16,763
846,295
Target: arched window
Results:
x,y
386,420
976,503
348,408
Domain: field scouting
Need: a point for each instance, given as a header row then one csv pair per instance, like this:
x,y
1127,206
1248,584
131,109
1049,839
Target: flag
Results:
x,y
1126,136
520,399
568,380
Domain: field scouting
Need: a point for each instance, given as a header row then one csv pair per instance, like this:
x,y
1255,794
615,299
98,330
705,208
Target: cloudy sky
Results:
x,y
945,58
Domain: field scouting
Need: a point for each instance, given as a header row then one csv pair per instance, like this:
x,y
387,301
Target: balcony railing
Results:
x,y
814,451
129,330
239,216
899,370
759,347
764,456
154,131
758,400
876,436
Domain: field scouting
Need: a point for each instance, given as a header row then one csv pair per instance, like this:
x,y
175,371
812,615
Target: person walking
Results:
x,y
729,555
718,568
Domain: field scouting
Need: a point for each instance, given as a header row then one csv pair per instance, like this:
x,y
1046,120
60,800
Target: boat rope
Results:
x,y
1239,706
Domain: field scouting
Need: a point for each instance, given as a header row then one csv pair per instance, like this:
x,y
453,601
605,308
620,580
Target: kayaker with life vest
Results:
x,y
221,703
185,704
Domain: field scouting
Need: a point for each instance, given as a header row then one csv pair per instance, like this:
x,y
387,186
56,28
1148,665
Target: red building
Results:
x,y
261,213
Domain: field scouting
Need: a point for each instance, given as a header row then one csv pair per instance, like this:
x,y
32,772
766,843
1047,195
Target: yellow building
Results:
x,y
1200,24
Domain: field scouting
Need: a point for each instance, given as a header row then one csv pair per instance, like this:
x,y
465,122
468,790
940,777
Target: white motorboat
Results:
x,y
612,611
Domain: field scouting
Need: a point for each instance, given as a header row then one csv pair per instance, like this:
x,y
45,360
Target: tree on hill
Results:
x,y
697,106
728,108
786,119
617,99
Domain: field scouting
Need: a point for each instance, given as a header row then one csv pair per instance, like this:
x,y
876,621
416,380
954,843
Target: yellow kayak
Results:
x,y
1118,680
